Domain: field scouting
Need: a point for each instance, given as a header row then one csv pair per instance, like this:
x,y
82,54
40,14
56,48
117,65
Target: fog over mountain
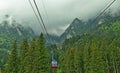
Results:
x,y
57,14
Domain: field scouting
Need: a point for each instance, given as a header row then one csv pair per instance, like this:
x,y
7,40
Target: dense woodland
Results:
x,y
95,52
30,57
88,54
98,52
92,54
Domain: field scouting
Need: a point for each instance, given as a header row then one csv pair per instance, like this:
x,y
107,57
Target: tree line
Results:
x,y
31,57
92,54
89,54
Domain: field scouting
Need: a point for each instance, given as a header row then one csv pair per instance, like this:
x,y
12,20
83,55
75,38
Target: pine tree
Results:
x,y
114,56
61,60
77,61
69,61
86,56
23,55
97,64
105,50
12,65
42,61
30,66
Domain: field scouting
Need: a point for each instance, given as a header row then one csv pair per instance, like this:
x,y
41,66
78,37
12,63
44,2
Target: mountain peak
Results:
x,y
75,28
76,21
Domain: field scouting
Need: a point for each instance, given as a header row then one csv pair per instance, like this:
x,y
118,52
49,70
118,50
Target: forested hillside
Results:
x,y
92,54
14,30
94,51
98,52
5,46
89,53
29,58
9,31
59,36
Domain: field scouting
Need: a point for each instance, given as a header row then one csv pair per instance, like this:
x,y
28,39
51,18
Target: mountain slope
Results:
x,y
77,27
9,31
109,31
15,30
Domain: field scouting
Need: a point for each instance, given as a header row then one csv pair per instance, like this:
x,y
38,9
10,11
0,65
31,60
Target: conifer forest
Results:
x,y
59,36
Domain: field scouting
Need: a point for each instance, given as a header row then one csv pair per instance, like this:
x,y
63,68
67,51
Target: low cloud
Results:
x,y
59,13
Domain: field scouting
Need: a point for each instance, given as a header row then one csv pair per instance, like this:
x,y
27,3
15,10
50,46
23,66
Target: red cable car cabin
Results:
x,y
54,64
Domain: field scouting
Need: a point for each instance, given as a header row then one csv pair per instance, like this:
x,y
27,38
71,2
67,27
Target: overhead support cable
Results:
x,y
41,19
45,9
104,10
35,14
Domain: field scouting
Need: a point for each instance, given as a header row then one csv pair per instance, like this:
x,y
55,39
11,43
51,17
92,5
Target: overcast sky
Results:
x,y
57,15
